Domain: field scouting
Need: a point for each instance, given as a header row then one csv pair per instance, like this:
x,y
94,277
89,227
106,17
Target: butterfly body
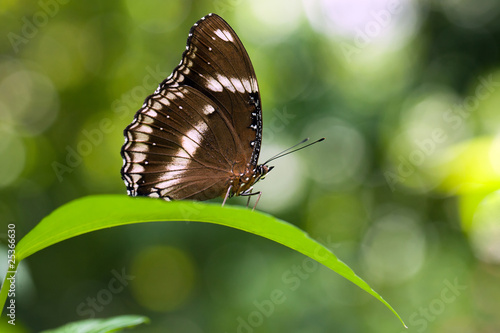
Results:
x,y
242,183
199,135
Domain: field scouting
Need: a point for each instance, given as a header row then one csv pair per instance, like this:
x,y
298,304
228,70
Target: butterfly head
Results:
x,y
261,172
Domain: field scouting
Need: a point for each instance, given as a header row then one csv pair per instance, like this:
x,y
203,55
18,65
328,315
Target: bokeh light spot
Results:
x,y
471,167
282,17
429,127
164,278
485,229
470,14
13,152
394,247
21,92
367,22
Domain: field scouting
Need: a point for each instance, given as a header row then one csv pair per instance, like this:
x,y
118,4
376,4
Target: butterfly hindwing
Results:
x,y
172,146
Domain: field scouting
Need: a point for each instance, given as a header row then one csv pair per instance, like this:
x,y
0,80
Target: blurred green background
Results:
x,y
404,189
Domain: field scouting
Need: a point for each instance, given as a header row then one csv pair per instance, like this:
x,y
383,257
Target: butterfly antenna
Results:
x,y
292,150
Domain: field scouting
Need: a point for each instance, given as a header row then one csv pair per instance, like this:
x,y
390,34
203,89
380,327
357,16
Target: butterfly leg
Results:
x,y
257,201
249,194
227,195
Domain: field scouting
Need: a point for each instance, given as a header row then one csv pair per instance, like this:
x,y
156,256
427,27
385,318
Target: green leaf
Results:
x,y
114,324
104,211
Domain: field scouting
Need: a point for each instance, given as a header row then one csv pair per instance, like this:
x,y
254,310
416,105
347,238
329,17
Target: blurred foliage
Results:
x,y
404,189
115,324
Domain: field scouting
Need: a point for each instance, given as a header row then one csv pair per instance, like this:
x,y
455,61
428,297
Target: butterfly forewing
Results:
x,y
216,63
202,123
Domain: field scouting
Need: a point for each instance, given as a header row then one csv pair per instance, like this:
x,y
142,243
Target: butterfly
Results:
x,y
199,135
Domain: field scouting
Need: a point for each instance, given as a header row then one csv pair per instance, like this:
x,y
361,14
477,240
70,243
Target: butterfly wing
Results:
x,y
216,63
202,125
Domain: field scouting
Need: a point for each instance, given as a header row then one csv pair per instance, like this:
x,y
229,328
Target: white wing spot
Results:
x,y
255,87
225,82
188,148
141,147
166,101
183,90
214,85
137,168
135,180
208,109
193,137
147,120
201,127
155,105
169,96
238,85
151,113
144,129
247,85
188,145
224,35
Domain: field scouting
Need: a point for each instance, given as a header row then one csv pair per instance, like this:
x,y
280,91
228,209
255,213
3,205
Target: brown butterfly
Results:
x,y
199,135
